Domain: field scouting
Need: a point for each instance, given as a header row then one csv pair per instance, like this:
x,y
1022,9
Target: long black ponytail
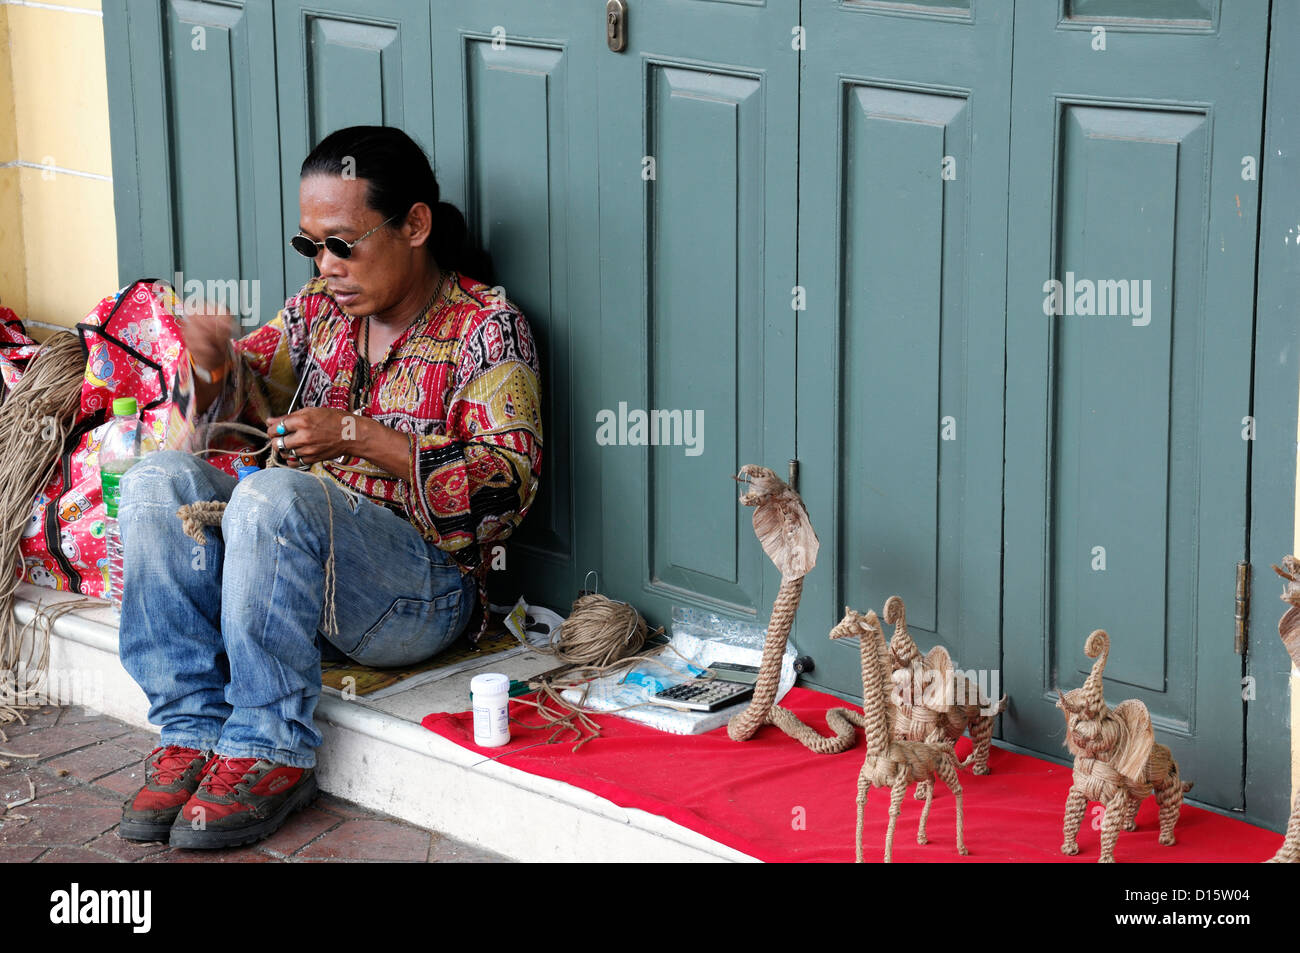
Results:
x,y
398,175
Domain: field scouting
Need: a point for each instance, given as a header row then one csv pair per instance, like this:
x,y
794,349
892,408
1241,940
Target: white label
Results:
x,y
491,724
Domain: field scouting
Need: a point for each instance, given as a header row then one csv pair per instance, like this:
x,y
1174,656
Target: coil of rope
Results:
x,y
601,637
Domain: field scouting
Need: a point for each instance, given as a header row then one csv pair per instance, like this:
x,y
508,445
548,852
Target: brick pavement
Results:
x,y
86,766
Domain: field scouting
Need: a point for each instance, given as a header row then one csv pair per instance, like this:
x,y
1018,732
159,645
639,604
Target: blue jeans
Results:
x,y
223,637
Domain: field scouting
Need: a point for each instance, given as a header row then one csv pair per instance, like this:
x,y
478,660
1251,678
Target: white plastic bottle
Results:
x,y
490,697
124,443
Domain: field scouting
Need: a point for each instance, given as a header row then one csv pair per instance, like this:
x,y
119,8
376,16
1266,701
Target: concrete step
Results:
x,y
377,754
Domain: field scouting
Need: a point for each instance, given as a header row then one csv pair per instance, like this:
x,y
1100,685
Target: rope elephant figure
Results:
x,y
934,700
1116,760
892,763
1288,628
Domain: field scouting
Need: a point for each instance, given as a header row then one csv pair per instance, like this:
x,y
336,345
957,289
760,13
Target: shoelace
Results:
x,y
226,773
172,764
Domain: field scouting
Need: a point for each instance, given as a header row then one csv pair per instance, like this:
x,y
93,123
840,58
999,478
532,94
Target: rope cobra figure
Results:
x,y
786,534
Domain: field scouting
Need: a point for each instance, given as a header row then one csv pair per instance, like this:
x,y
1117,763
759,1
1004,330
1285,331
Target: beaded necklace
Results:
x,y
359,393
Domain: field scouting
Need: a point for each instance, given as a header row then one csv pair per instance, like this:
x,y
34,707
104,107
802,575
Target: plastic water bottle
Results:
x,y
126,441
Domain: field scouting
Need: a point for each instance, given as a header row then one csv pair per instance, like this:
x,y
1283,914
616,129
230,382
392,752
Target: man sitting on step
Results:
x,y
416,444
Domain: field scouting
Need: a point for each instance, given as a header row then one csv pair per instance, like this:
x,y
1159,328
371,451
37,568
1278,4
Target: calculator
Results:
x,y
703,694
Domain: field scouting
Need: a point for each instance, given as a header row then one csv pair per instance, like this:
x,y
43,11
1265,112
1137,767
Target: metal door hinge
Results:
x,y
1242,612
793,482
616,25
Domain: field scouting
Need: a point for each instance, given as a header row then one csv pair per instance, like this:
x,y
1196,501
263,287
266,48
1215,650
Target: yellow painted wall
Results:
x,y
58,244
12,287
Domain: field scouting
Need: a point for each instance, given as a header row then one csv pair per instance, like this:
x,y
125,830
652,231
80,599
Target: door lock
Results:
x,y
616,25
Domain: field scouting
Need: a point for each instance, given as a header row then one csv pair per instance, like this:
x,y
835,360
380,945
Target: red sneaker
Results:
x,y
172,775
241,800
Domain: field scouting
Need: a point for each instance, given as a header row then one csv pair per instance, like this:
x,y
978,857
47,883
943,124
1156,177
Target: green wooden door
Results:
x,y
698,144
197,167
821,230
206,167
903,160
515,144
1126,464
503,99
347,63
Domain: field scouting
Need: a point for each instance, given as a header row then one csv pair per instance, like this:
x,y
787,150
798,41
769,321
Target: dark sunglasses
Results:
x,y
334,245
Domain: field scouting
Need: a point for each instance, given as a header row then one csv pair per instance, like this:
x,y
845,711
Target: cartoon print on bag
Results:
x,y
99,368
68,543
37,517
38,573
87,457
143,334
74,507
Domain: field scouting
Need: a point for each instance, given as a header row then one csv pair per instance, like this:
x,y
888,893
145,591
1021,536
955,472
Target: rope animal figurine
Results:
x,y
934,700
786,534
1288,628
891,763
1116,760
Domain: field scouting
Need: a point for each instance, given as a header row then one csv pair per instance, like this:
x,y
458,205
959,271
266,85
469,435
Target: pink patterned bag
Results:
x,y
134,348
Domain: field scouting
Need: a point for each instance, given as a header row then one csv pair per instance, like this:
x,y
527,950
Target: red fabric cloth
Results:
x,y
773,799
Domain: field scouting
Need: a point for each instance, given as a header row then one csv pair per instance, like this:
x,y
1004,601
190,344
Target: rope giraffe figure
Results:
x,y
786,535
934,700
1288,628
891,763
1116,760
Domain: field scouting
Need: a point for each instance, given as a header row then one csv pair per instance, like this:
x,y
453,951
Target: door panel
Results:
x,y
707,258
1145,15
1126,467
902,161
345,63
516,152
205,74
697,268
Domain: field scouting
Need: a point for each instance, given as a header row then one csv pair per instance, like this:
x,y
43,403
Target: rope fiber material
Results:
x,y
35,420
601,636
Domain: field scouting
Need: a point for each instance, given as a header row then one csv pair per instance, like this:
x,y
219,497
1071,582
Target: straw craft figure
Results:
x,y
784,531
1116,760
891,763
1288,628
934,700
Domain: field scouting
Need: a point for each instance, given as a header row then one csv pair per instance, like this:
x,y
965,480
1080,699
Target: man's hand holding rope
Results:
x,y
312,434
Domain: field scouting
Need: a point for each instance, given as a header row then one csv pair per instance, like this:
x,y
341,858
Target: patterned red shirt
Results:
x,y
462,382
